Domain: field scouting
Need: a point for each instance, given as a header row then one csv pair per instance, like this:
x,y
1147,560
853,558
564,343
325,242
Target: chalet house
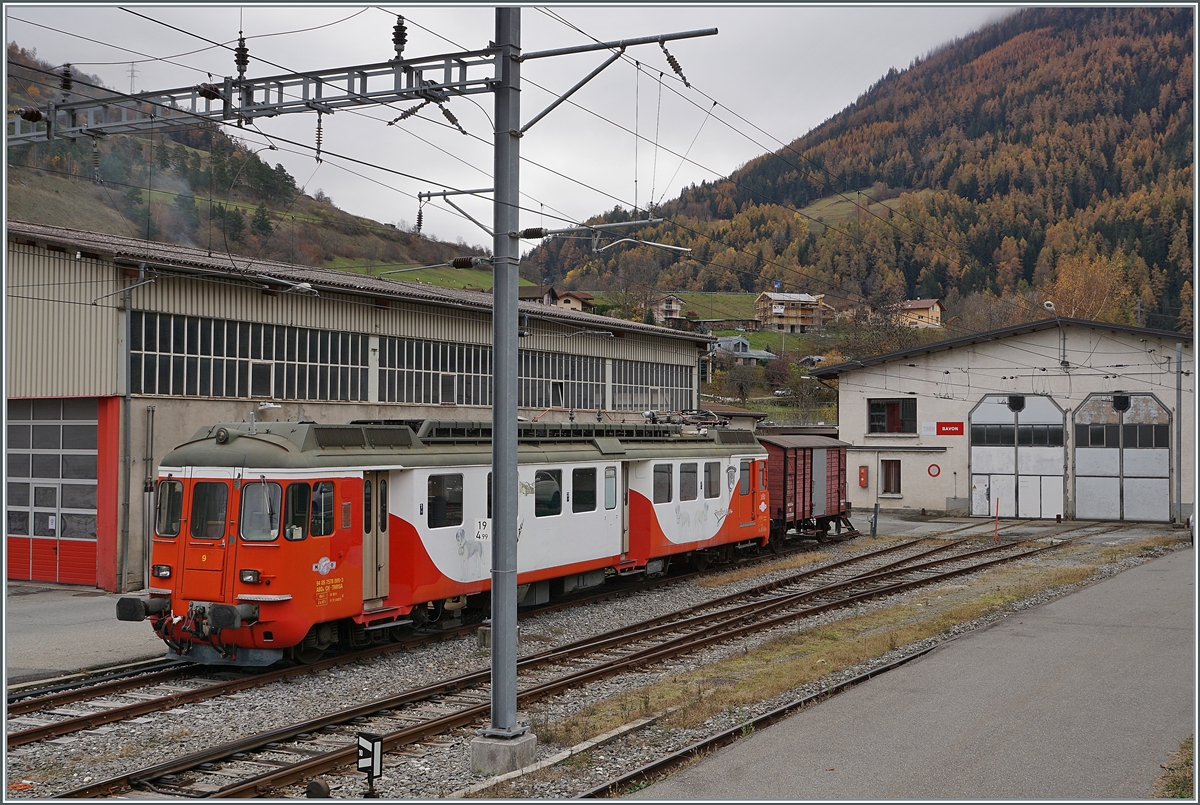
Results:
x,y
576,300
791,312
666,307
921,313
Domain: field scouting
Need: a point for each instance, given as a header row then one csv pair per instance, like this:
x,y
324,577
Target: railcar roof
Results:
x,y
415,443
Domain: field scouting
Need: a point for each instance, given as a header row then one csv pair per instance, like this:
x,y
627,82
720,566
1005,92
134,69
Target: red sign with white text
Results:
x,y
950,429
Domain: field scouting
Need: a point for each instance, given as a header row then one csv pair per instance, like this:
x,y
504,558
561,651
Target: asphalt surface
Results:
x,y
1081,698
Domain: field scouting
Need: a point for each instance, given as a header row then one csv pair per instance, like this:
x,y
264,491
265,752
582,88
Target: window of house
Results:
x,y
891,476
892,416
663,478
445,507
688,482
712,479
583,490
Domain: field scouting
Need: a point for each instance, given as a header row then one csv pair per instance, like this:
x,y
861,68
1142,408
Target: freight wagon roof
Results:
x,y
802,441
183,259
307,445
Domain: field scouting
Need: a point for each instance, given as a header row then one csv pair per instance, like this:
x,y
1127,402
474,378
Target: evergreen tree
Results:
x,y
261,225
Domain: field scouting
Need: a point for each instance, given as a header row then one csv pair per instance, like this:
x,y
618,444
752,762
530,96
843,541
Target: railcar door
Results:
x,y
210,524
375,538
745,493
624,506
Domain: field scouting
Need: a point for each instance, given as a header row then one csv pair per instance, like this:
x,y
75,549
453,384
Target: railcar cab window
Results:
x,y
744,478
296,511
547,493
445,501
322,509
712,479
209,501
583,490
663,482
688,482
260,511
170,508
892,416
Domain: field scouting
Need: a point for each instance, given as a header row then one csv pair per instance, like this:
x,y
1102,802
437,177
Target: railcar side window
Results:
x,y
260,511
762,475
295,523
712,479
209,501
367,485
547,493
744,479
170,508
688,482
583,487
610,487
445,500
662,483
322,509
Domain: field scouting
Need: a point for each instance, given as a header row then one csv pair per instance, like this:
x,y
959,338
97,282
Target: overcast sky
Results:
x,y
783,70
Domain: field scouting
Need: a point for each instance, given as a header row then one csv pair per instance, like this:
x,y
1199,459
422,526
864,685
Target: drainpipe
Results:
x,y
1179,433
148,498
123,542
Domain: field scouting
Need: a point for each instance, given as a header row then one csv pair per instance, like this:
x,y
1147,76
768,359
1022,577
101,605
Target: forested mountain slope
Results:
x,y
1048,156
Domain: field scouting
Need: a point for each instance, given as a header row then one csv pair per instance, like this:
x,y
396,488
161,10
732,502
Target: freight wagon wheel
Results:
x,y
822,530
775,543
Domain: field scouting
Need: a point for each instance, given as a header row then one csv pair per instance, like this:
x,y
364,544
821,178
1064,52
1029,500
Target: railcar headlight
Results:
x,y
160,571
248,576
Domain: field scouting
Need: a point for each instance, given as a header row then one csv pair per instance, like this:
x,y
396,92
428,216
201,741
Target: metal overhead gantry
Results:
x,y
505,745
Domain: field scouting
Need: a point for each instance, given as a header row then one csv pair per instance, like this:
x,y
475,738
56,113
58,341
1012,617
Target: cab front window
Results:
x,y
209,501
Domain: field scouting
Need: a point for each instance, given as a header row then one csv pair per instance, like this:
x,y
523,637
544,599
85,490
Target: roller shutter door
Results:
x,y
51,490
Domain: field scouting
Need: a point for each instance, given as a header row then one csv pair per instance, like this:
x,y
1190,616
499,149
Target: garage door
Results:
x,y
1017,457
51,501
1123,458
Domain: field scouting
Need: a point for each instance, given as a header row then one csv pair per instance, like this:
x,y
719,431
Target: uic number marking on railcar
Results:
x,y
483,529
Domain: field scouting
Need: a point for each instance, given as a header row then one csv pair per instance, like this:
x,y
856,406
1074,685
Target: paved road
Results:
x,y
1081,698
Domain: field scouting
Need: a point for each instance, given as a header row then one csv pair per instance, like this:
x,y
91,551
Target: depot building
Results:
x,y
1056,418
121,349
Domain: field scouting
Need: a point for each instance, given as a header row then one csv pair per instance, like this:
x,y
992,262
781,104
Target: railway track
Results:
x,y
54,712
262,764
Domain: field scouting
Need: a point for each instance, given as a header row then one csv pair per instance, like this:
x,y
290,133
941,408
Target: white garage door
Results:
x,y
1122,458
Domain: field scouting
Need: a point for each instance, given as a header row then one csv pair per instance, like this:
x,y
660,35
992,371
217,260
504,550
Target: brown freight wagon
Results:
x,y
806,485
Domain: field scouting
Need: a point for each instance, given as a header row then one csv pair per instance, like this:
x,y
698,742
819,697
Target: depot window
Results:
x,y
890,469
712,479
208,510
892,416
583,489
445,501
170,508
260,511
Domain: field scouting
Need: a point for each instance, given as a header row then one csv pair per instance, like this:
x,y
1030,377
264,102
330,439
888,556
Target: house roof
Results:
x,y
995,335
732,410
921,304
582,296
801,440
790,297
183,259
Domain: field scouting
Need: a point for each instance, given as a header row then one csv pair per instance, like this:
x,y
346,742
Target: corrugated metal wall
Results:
x,y
59,343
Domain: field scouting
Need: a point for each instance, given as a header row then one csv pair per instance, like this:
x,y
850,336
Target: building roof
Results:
x,y
582,296
132,251
995,335
790,297
802,440
921,304
731,410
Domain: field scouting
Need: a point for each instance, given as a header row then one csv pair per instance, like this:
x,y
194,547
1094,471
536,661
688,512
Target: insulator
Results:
x,y
454,120
208,91
32,114
96,162
318,136
407,113
399,36
241,56
462,262
420,219
671,60
530,234
66,83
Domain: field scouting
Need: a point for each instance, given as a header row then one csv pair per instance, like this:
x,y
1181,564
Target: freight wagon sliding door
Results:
x,y
52,490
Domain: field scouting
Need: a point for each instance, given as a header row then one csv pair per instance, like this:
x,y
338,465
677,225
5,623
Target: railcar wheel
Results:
x,y
308,654
700,562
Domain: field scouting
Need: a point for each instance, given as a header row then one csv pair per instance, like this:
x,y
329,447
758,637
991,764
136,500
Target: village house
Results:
x,y
791,312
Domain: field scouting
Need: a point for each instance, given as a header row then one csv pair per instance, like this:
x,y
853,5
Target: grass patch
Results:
x,y
738,682
1178,778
